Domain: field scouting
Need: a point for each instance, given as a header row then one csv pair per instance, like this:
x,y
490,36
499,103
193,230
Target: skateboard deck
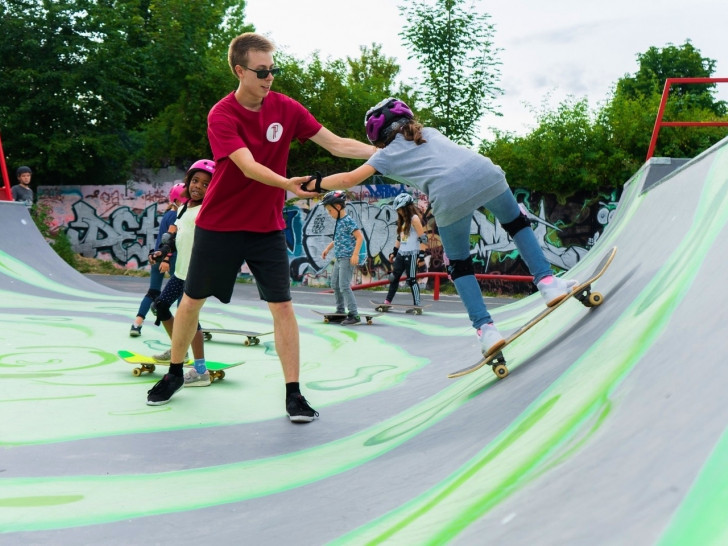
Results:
x,y
251,338
385,307
146,364
582,292
338,317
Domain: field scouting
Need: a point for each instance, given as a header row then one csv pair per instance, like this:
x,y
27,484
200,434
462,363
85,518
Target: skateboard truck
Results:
x,y
589,298
498,363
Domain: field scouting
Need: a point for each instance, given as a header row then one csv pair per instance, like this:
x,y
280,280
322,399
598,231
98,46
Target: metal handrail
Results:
x,y
663,102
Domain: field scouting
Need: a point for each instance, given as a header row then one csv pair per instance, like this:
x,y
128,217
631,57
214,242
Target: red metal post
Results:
x,y
4,169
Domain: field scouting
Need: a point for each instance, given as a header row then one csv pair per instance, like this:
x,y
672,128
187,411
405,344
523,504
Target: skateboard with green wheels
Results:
x,y
582,292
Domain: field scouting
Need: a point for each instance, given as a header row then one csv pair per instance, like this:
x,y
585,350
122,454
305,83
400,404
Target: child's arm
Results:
x,y
327,249
422,238
358,237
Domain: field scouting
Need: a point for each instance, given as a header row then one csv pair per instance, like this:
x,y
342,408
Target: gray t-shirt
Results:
x,y
456,180
21,193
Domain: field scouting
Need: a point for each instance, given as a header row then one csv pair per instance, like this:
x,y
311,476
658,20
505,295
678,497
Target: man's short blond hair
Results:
x,y
241,45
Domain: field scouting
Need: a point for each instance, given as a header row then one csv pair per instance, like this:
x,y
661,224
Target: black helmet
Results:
x,y
22,170
336,197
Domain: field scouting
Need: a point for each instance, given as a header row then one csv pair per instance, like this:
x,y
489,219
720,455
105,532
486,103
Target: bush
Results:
x,y
62,246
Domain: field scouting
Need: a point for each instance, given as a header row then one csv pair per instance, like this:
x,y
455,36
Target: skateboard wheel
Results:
x,y
222,374
326,320
256,341
136,372
500,371
369,321
207,336
246,342
595,298
380,309
418,311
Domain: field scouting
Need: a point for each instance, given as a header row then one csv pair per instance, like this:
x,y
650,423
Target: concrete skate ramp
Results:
x,y
610,428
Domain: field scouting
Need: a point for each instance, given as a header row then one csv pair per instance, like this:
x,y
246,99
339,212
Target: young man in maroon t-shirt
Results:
x,y
241,218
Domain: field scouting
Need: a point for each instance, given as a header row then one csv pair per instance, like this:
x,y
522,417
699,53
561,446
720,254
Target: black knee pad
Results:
x,y
461,268
161,310
514,226
153,294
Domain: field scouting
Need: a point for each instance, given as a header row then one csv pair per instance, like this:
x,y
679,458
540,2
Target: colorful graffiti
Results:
x,y
120,224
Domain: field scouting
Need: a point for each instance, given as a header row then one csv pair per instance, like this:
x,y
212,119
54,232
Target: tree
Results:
x,y
631,112
63,103
338,92
460,68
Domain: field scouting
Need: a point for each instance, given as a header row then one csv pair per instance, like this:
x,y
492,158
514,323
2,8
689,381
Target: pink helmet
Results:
x,y
207,165
175,194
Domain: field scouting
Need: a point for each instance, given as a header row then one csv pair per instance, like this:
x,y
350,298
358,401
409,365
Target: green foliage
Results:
x,y
62,245
338,93
574,149
454,46
42,216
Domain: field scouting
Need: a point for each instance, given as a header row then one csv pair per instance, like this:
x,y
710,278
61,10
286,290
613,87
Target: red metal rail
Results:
x,y
665,92
4,171
437,275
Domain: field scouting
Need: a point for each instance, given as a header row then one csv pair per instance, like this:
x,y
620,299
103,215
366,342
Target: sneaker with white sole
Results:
x,y
195,379
163,390
491,340
299,410
166,356
135,330
554,289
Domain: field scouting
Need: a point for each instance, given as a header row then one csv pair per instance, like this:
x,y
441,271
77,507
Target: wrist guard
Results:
x,y
395,251
316,179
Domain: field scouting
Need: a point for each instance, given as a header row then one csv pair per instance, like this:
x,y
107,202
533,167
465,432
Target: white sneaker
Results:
x,y
554,289
166,356
195,379
491,340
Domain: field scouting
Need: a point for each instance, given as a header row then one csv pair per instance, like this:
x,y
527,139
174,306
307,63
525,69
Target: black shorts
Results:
x,y
217,257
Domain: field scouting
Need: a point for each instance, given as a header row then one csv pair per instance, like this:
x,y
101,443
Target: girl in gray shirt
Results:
x,y
457,182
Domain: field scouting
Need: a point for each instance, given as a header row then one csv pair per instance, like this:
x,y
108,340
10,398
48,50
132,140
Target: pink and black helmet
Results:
x,y
380,117
175,194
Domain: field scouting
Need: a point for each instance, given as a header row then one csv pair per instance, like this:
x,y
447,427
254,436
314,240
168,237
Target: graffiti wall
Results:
x,y
120,223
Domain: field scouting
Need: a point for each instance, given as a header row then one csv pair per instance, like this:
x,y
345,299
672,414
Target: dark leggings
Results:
x,y
401,264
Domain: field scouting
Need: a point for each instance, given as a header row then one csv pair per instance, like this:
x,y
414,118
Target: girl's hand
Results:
x,y
163,267
294,185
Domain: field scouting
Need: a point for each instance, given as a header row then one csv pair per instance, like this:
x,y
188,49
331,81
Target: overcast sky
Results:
x,y
550,50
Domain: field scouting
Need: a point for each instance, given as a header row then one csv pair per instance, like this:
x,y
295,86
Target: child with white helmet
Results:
x,y
409,249
457,181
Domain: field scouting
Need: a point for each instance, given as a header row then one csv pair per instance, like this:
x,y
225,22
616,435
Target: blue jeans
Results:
x,y
456,244
341,283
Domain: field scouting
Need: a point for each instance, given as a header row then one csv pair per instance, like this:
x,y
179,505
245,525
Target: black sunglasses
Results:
x,y
263,74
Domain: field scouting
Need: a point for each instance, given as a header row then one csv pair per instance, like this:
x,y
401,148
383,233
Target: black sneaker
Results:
x,y
298,409
351,319
135,331
160,393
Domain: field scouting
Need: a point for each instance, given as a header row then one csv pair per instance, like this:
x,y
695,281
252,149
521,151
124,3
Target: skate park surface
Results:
x,y
610,428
